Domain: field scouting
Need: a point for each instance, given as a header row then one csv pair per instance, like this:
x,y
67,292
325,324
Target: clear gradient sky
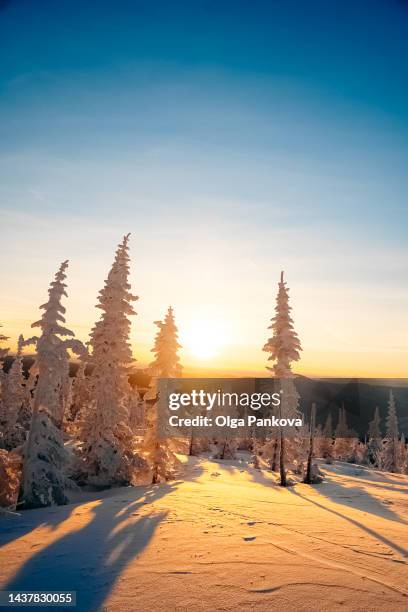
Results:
x,y
232,139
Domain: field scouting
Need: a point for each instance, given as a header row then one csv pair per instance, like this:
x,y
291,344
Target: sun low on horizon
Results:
x,y
204,305
202,339
226,162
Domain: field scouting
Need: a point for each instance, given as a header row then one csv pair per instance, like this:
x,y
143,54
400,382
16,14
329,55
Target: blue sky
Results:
x,y
232,139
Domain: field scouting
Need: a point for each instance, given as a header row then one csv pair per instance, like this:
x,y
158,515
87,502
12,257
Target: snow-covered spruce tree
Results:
x,y
137,413
347,446
296,438
284,344
26,411
326,445
160,450
195,444
108,447
374,440
226,448
270,451
13,400
166,363
44,481
52,361
255,454
342,443
10,475
78,402
284,348
225,444
390,452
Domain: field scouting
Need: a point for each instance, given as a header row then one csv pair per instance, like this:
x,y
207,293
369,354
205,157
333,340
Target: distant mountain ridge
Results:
x,y
359,397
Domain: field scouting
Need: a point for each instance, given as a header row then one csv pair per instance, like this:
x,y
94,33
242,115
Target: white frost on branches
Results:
x,y
166,363
284,348
52,351
44,454
13,397
374,440
284,345
109,456
159,449
390,453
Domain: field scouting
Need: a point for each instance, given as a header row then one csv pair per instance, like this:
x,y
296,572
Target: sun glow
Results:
x,y
203,338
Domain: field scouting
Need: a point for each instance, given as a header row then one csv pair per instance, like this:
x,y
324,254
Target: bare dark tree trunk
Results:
x,y
222,455
308,475
155,475
283,482
190,450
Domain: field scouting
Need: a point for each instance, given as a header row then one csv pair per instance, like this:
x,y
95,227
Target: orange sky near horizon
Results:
x,y
231,144
349,314
230,359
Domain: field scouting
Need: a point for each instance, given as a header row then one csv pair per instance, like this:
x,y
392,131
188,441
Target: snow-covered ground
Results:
x,y
225,538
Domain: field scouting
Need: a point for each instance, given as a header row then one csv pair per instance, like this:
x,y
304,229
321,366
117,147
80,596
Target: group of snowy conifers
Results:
x,y
61,431
96,430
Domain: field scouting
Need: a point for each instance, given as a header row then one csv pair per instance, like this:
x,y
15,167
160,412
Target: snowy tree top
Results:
x,y
284,345
53,309
391,421
111,333
166,346
342,429
374,425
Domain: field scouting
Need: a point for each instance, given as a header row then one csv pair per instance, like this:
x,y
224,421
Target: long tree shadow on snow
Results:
x,y
91,559
356,496
378,536
15,526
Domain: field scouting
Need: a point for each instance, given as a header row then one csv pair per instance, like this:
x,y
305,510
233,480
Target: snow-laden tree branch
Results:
x,y
108,445
44,454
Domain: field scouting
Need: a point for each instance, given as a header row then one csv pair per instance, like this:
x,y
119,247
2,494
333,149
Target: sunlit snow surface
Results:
x,y
226,538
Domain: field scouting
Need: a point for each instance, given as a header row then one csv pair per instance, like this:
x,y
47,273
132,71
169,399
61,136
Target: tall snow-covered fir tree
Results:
x,y
13,400
284,344
52,362
108,448
390,452
284,348
374,440
43,481
160,451
166,346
